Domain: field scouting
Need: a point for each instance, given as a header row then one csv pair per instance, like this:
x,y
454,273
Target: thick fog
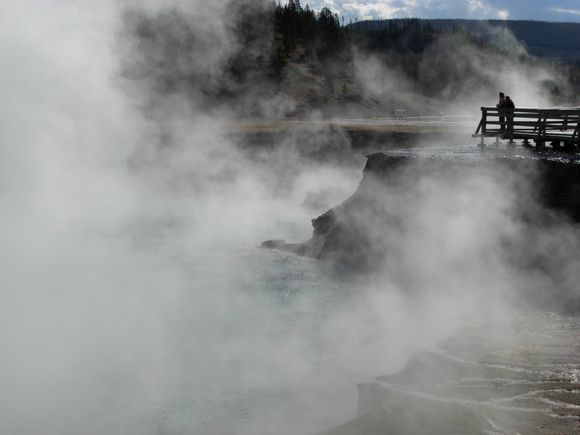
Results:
x,y
466,76
133,295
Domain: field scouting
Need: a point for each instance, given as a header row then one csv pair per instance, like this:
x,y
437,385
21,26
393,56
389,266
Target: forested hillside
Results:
x,y
543,39
288,60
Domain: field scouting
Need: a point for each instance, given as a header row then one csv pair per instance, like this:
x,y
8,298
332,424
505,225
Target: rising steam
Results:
x,y
133,298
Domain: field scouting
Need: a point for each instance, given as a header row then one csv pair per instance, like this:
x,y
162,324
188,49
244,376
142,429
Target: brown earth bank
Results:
x,y
323,139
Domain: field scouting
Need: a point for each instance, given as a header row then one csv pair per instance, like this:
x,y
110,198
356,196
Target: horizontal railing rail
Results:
x,y
540,125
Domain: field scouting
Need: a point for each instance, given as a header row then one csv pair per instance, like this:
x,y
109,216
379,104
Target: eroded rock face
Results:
x,y
466,219
398,195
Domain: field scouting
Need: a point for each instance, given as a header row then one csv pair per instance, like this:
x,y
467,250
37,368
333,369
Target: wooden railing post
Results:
x,y
543,118
576,134
483,124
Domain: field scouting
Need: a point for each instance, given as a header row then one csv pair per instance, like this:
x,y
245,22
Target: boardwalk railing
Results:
x,y
557,126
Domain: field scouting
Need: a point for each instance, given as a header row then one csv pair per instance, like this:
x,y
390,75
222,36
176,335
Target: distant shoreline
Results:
x,y
425,125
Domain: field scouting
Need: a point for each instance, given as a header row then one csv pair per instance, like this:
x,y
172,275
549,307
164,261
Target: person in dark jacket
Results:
x,y
509,107
500,108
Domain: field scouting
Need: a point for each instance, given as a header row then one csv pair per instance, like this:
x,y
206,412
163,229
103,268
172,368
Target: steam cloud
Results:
x,y
132,297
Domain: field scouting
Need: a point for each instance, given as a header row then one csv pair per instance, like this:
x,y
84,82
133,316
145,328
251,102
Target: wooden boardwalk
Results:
x,y
556,127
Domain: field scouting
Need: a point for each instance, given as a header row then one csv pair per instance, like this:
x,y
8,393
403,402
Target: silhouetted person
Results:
x,y
500,108
509,107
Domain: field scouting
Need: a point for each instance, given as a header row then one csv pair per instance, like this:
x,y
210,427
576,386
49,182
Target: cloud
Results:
x,y
385,9
372,10
567,11
482,9
503,14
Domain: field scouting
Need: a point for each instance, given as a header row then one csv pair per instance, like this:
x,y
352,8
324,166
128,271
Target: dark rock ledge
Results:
x,y
394,185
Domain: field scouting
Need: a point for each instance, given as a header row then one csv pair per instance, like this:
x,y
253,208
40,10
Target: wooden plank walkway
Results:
x,y
558,127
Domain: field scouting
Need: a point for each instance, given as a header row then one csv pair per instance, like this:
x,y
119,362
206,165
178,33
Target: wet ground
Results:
x,y
521,376
416,124
491,149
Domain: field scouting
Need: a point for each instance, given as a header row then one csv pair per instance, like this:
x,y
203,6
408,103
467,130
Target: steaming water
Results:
x,y
115,319
256,344
180,324
165,331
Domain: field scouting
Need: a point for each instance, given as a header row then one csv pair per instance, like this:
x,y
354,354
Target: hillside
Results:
x,y
542,39
296,63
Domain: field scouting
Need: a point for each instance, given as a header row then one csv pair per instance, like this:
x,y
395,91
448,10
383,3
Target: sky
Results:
x,y
541,10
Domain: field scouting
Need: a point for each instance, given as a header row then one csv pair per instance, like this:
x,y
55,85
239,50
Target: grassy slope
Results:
x,y
305,84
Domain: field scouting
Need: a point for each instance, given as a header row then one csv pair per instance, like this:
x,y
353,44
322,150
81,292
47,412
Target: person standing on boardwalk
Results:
x,y
509,107
500,108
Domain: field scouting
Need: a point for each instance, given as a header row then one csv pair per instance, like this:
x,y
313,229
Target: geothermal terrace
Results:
x,y
521,376
515,377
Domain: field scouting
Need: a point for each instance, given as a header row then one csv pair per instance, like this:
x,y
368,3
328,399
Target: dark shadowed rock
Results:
x,y
281,245
274,244
361,233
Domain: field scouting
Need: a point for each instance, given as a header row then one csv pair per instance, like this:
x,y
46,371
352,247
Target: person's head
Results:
x,y
501,95
507,97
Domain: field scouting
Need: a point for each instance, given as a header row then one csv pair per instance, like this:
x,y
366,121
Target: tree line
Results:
x,y
318,33
291,49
